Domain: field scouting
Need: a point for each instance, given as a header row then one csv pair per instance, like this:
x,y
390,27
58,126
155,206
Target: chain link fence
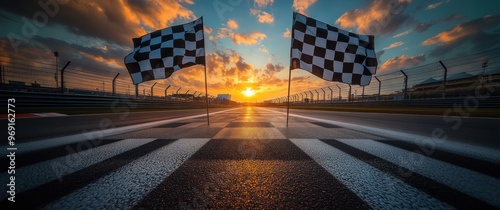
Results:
x,y
465,75
19,74
473,74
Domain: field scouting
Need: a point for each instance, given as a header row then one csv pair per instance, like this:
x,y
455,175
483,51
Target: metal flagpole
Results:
x,y
206,93
206,86
288,98
289,74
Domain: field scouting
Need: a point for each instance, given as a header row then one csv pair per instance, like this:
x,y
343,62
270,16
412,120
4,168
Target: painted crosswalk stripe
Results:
x,y
473,184
124,187
372,185
50,170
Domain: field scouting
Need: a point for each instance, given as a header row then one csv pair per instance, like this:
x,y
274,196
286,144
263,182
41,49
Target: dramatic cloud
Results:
x,y
473,31
251,38
207,30
433,6
302,5
393,45
421,27
400,62
449,36
404,33
287,33
453,17
248,38
263,3
263,49
381,17
273,69
262,17
232,24
119,20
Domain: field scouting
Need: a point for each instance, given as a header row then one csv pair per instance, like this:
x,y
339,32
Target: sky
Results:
x,y
247,41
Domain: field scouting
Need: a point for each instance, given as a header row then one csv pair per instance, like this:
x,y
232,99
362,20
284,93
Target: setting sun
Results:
x,y
249,92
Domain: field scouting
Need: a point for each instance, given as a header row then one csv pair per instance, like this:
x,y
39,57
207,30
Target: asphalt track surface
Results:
x,y
249,158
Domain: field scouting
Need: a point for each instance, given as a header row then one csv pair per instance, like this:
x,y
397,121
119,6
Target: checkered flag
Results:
x,y
331,53
157,55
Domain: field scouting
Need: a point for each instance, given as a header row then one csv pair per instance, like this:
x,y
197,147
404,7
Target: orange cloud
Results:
x,y
287,33
404,33
302,5
262,17
475,32
378,18
232,24
433,6
207,30
400,62
111,62
263,49
248,38
252,38
393,45
263,3
449,36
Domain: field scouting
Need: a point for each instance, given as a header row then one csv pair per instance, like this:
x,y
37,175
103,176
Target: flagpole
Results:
x,y
288,98
289,74
205,67
206,93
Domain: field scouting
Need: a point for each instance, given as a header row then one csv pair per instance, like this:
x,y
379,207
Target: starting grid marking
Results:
x,y
379,173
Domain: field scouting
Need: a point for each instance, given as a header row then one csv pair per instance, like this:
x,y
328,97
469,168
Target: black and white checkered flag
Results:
x,y
331,53
157,55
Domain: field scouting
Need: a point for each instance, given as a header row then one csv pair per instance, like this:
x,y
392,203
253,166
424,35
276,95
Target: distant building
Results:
x,y
224,96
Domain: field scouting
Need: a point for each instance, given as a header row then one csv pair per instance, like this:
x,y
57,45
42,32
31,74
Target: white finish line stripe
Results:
x,y
44,172
52,142
483,153
475,184
128,185
378,189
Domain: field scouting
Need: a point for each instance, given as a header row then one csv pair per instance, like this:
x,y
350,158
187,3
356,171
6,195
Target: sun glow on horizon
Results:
x,y
248,92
